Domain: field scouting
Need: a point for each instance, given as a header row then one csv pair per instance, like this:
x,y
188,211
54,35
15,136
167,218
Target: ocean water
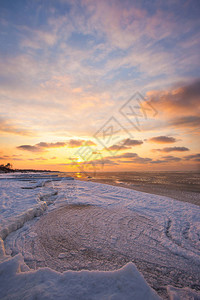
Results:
x,y
186,181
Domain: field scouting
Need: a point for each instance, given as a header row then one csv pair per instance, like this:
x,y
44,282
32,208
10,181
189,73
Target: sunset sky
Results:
x,y
111,85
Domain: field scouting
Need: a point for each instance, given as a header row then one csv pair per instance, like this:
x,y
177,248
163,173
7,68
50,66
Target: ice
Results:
x,y
46,284
186,294
22,200
92,226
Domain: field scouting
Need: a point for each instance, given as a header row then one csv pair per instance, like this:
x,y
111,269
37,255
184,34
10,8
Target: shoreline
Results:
x,y
161,190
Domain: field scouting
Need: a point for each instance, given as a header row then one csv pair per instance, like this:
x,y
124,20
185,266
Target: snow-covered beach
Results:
x,y
71,239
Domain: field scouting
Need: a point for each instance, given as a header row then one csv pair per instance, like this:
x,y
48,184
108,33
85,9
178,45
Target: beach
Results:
x,y
65,225
182,186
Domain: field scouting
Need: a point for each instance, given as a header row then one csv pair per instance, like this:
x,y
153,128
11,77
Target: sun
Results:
x,y
79,159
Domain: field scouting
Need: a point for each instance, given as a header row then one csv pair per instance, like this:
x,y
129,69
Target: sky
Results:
x,y
100,85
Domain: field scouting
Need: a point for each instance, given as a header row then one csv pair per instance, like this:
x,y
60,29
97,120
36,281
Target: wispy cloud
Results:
x,y
7,126
37,159
11,157
194,157
186,122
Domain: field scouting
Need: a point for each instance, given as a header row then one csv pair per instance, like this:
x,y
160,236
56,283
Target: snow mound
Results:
x,y
126,283
21,199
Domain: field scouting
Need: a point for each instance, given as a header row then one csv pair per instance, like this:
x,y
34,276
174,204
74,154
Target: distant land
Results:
x,y
8,169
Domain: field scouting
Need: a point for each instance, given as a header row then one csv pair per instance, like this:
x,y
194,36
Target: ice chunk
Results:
x,y
17,283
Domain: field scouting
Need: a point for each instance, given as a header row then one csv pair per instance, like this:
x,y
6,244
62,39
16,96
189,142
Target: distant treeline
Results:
x,y
7,168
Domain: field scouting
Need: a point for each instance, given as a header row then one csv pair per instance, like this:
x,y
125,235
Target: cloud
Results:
x,y
41,147
10,157
115,160
147,160
170,158
158,161
108,40
171,149
39,38
194,157
126,155
37,158
6,126
186,121
118,147
177,107
50,145
132,158
30,148
183,100
102,162
162,139
130,142
125,144
78,143
142,160
124,45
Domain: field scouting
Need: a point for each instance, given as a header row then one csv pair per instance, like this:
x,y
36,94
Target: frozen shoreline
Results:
x,y
177,192
164,227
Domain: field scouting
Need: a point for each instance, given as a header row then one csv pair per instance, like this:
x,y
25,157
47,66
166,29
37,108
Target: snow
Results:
x,y
186,294
96,227
22,197
46,284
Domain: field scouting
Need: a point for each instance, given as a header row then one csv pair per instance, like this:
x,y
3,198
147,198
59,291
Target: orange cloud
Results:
x,y
183,100
162,139
77,143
